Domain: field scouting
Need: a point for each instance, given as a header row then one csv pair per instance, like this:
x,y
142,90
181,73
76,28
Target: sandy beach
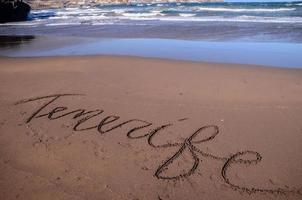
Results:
x,y
104,127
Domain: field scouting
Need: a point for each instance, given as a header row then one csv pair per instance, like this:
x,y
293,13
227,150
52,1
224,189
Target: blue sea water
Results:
x,y
267,54
264,33
269,21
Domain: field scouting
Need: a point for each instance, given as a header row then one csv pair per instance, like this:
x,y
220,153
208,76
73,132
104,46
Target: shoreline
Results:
x,y
162,101
283,55
112,56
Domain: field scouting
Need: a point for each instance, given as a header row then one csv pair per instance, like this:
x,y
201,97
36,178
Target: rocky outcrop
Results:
x,y
40,4
13,10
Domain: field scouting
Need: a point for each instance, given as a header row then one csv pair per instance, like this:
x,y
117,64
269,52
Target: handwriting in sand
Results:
x,y
83,116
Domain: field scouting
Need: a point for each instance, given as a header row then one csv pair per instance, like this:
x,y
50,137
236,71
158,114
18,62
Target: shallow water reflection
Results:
x,y
15,41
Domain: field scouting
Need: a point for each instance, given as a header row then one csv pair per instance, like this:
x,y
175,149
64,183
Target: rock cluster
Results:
x,y
13,10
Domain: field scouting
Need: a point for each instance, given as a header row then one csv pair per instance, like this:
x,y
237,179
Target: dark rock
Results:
x,y
13,10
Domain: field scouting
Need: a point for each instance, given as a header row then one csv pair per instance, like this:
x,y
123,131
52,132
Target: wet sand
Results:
x,y
103,127
284,55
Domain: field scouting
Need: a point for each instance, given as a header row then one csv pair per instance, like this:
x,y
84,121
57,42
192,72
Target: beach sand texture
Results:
x,y
101,127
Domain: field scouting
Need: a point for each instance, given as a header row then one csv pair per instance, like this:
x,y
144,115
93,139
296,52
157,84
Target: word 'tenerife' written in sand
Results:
x,y
139,130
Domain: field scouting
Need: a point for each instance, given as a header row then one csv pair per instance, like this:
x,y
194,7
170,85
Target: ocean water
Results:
x,y
286,55
268,34
207,21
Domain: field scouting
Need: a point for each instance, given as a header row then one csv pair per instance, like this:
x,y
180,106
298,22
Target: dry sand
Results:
x,y
151,129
